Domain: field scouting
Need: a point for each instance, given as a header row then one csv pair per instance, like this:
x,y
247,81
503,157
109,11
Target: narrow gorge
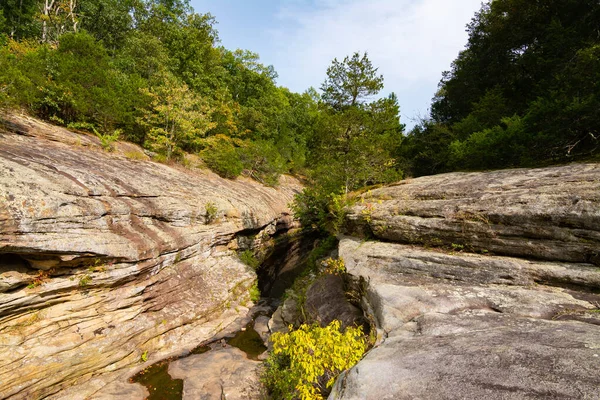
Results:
x,y
481,285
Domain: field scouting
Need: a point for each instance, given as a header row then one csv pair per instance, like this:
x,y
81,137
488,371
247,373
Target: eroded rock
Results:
x,y
547,213
223,373
326,301
106,257
468,326
520,324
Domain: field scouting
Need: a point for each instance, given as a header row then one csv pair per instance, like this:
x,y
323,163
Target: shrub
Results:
x,y
254,293
248,258
305,363
262,161
335,266
211,212
85,280
107,139
221,156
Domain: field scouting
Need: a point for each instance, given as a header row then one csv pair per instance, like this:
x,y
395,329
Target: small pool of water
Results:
x,y
249,341
159,383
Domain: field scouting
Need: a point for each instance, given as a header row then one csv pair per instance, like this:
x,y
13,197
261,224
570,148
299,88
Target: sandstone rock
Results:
x,y
261,326
119,257
467,326
326,301
223,373
547,213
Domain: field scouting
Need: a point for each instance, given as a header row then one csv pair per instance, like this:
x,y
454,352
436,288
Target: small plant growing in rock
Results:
x,y
367,212
85,280
457,247
248,258
40,278
107,139
254,293
211,212
144,356
305,363
335,266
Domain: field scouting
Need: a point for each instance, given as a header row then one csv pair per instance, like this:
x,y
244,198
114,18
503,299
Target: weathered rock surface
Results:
x,y
105,257
464,326
223,373
548,213
459,325
326,301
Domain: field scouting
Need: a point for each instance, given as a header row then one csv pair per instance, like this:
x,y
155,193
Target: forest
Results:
x,y
525,91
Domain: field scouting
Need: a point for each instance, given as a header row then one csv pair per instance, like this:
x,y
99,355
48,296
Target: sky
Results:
x,y
411,41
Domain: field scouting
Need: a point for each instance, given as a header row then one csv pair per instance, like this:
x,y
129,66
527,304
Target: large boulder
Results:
x,y
108,259
547,213
491,291
465,326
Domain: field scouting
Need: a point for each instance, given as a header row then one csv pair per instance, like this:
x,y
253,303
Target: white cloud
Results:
x,y
411,41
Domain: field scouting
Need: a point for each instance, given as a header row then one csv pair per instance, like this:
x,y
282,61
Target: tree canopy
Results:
x,y
153,71
522,93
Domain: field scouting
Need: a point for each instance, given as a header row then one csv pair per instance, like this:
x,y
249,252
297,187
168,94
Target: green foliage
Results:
x,y
498,147
316,210
248,258
222,156
523,92
262,161
144,356
108,139
177,118
324,247
211,212
357,139
254,293
350,81
305,363
85,280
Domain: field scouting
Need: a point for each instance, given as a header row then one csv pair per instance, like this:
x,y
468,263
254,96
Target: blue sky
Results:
x,y
410,41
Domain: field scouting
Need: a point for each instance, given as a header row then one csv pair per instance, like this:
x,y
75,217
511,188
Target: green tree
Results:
x,y
350,82
19,17
177,118
358,138
517,87
109,21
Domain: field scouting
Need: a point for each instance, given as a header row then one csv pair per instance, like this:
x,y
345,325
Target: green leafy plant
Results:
x,y
305,363
248,258
144,356
254,293
457,247
211,212
107,140
85,280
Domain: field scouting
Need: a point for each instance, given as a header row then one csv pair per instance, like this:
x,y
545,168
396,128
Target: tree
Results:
x,y
177,118
19,18
58,17
109,21
526,82
358,138
350,82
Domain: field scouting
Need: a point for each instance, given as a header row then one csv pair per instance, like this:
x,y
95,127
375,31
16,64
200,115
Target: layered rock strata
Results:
x,y
109,262
491,291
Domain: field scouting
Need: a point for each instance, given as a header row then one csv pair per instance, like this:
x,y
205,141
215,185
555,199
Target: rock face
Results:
x,y
549,213
520,319
105,257
326,301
